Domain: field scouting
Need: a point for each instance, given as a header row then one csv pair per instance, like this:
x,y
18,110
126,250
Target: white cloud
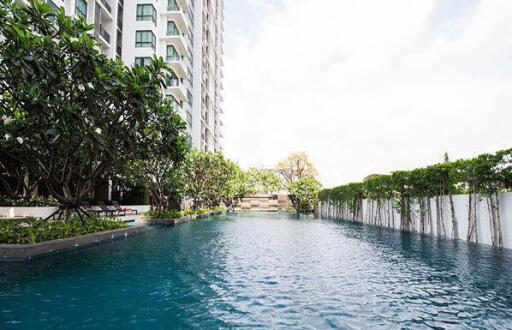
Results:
x,y
369,86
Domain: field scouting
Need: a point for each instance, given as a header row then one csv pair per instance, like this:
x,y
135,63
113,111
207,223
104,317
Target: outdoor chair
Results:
x,y
107,210
121,209
85,206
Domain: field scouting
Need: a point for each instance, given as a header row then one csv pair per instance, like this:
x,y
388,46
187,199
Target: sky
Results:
x,y
367,86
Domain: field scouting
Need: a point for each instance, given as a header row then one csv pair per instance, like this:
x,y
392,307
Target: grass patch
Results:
x,y
41,231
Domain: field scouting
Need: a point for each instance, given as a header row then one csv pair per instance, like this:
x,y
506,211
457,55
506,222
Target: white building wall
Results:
x,y
201,18
103,14
461,213
200,84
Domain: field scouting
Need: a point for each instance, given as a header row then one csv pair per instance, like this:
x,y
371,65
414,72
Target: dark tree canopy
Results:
x,y
68,114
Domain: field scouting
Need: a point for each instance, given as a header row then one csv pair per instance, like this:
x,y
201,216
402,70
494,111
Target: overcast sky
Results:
x,y
366,86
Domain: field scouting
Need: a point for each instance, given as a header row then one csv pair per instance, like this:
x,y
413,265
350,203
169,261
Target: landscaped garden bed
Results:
x,y
177,217
22,240
12,232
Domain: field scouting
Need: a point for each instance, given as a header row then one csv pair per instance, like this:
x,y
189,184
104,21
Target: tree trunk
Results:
x,y
455,231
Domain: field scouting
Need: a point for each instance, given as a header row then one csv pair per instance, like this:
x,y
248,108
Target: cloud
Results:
x,y
370,86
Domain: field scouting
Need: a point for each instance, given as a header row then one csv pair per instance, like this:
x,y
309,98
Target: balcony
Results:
x,y
177,66
106,12
175,88
104,37
184,5
177,41
179,17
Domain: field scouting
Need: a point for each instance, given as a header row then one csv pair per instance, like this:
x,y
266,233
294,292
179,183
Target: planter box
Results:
x,y
22,212
173,222
24,252
166,222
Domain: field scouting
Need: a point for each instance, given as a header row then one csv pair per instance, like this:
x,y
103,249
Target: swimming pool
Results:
x,y
263,271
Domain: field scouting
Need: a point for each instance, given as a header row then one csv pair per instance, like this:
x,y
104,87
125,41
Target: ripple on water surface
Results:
x,y
266,271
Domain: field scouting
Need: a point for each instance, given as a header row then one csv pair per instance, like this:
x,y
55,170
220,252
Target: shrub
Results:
x,y
153,215
304,194
34,201
14,232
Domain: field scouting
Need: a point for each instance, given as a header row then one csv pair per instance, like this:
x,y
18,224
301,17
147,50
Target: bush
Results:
x,y
40,231
34,201
136,196
304,194
153,215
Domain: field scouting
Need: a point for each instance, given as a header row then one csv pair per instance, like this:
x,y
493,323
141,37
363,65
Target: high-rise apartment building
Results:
x,y
188,34
105,15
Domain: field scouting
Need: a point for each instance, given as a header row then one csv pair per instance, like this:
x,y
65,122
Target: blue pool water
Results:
x,y
263,271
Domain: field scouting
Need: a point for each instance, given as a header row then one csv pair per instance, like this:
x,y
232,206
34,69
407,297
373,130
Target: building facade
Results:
x,y
105,15
188,34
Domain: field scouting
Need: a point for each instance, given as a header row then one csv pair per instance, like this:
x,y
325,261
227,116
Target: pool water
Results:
x,y
263,271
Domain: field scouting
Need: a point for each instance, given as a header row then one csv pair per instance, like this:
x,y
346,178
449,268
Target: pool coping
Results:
x,y
26,252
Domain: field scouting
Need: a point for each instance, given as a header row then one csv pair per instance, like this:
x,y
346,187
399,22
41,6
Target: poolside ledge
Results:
x,y
25,252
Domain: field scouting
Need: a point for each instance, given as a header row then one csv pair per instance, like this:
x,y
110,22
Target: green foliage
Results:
x,y
154,215
295,167
136,195
212,179
485,174
40,231
262,181
304,194
68,114
32,201
174,214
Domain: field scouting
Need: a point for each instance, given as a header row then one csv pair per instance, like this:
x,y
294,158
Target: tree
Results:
x,y
163,176
261,181
212,179
304,194
69,113
295,167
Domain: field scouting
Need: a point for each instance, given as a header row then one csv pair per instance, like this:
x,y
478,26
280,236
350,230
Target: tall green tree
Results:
x,y
68,112
304,194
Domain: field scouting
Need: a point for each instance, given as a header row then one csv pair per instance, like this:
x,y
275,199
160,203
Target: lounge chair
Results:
x,y
87,208
105,209
125,209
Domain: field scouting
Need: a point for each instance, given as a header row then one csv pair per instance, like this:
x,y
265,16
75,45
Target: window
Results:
x,y
81,8
53,6
172,81
145,39
172,54
172,5
189,97
189,120
172,29
146,12
175,104
142,61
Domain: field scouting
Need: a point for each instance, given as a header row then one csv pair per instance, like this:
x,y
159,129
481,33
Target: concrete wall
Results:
x,y
460,202
43,212
263,203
